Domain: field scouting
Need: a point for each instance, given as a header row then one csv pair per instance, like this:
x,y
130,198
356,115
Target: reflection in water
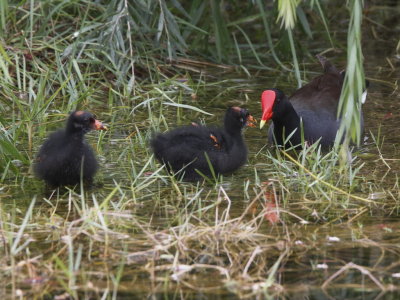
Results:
x,y
142,235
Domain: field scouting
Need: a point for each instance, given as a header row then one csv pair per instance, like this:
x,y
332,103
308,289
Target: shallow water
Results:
x,y
368,238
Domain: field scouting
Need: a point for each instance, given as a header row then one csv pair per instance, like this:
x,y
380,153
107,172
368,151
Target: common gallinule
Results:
x,y
186,149
65,155
311,109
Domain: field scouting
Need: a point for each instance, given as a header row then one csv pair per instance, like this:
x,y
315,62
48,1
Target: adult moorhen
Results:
x,y
65,155
186,149
311,109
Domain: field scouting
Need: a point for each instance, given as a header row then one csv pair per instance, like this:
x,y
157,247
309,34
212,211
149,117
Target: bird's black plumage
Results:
x,y
65,155
185,149
310,110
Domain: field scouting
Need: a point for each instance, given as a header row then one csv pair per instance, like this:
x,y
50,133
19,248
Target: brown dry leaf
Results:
x,y
271,213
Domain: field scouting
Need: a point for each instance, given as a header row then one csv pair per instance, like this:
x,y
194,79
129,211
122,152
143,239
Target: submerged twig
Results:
x,y
357,267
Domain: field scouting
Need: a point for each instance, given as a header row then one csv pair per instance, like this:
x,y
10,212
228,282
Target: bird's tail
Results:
x,y
326,64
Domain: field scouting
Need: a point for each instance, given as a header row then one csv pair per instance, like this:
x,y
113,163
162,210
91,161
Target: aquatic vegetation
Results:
x,y
287,223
